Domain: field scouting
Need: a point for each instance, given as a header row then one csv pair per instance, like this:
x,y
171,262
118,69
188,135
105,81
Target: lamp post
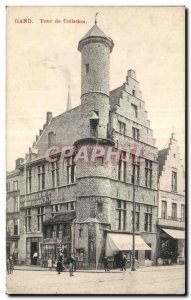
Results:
x,y
133,256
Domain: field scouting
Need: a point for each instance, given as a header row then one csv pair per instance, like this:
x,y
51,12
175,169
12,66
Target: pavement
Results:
x,y
145,281
140,269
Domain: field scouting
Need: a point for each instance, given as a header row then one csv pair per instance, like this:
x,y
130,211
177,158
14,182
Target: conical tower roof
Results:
x,y
95,33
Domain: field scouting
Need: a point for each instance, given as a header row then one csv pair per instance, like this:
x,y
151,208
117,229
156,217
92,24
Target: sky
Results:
x,y
42,60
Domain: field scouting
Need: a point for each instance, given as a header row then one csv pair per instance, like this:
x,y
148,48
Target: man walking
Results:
x,y
106,264
123,262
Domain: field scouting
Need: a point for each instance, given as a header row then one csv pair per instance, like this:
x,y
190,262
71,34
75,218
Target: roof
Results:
x,y
94,31
13,173
162,157
66,130
61,218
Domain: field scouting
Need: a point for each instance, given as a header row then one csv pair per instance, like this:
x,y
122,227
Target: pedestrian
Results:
x,y
11,264
123,262
71,262
8,266
75,262
35,256
106,264
50,264
59,266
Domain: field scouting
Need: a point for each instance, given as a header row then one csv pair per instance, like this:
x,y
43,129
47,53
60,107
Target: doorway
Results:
x,y
34,249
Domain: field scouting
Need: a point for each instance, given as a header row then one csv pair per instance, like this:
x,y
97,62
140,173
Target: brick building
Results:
x,y
171,207
13,212
85,206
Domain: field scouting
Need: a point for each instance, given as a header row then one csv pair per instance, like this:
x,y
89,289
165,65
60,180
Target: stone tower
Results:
x,y
95,48
93,191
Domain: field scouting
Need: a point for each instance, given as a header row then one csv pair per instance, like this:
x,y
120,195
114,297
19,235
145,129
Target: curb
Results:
x,y
102,271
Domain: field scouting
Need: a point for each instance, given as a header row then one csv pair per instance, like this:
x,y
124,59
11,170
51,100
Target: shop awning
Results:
x,y
175,234
116,242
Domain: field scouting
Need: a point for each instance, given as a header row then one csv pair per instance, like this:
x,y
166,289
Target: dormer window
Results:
x,y
94,120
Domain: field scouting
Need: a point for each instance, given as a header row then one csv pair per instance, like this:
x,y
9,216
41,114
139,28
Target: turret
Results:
x,y
95,48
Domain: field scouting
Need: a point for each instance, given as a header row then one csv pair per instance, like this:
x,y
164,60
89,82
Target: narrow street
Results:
x,y
156,280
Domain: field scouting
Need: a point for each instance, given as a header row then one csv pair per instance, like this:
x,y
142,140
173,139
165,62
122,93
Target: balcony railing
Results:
x,y
171,222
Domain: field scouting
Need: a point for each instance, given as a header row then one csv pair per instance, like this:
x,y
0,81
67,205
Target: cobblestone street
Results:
x,y
154,280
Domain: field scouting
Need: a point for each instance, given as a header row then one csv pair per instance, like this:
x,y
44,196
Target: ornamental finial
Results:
x,y
96,18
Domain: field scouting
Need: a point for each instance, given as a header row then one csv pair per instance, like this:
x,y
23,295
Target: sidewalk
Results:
x,y
141,269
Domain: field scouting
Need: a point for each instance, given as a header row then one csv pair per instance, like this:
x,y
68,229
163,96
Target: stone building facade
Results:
x,y
13,213
73,203
171,207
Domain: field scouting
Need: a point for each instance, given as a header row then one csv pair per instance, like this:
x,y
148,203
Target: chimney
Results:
x,y
40,132
132,74
48,117
19,162
68,100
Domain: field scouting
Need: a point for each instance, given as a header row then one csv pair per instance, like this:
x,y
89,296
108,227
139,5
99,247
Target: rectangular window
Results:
x,y
16,227
17,204
121,215
164,210
55,209
148,219
135,133
133,92
122,127
137,217
99,207
71,170
28,220
41,177
182,212
148,252
94,127
87,68
15,185
8,186
174,181
174,211
70,206
135,169
28,180
148,173
122,169
134,110
40,217
137,220
55,174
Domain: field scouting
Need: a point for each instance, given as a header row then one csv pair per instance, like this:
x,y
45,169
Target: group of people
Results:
x,y
72,261
123,263
10,265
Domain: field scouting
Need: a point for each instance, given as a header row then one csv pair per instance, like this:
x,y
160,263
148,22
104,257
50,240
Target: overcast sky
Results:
x,y
42,59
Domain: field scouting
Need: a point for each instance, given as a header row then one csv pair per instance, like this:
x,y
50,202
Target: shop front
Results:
x,y
33,253
57,238
118,244
172,246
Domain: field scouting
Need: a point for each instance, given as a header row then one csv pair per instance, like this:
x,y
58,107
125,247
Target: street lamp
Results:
x,y
133,254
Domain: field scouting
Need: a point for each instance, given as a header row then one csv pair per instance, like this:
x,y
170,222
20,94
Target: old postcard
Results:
x,y
95,150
